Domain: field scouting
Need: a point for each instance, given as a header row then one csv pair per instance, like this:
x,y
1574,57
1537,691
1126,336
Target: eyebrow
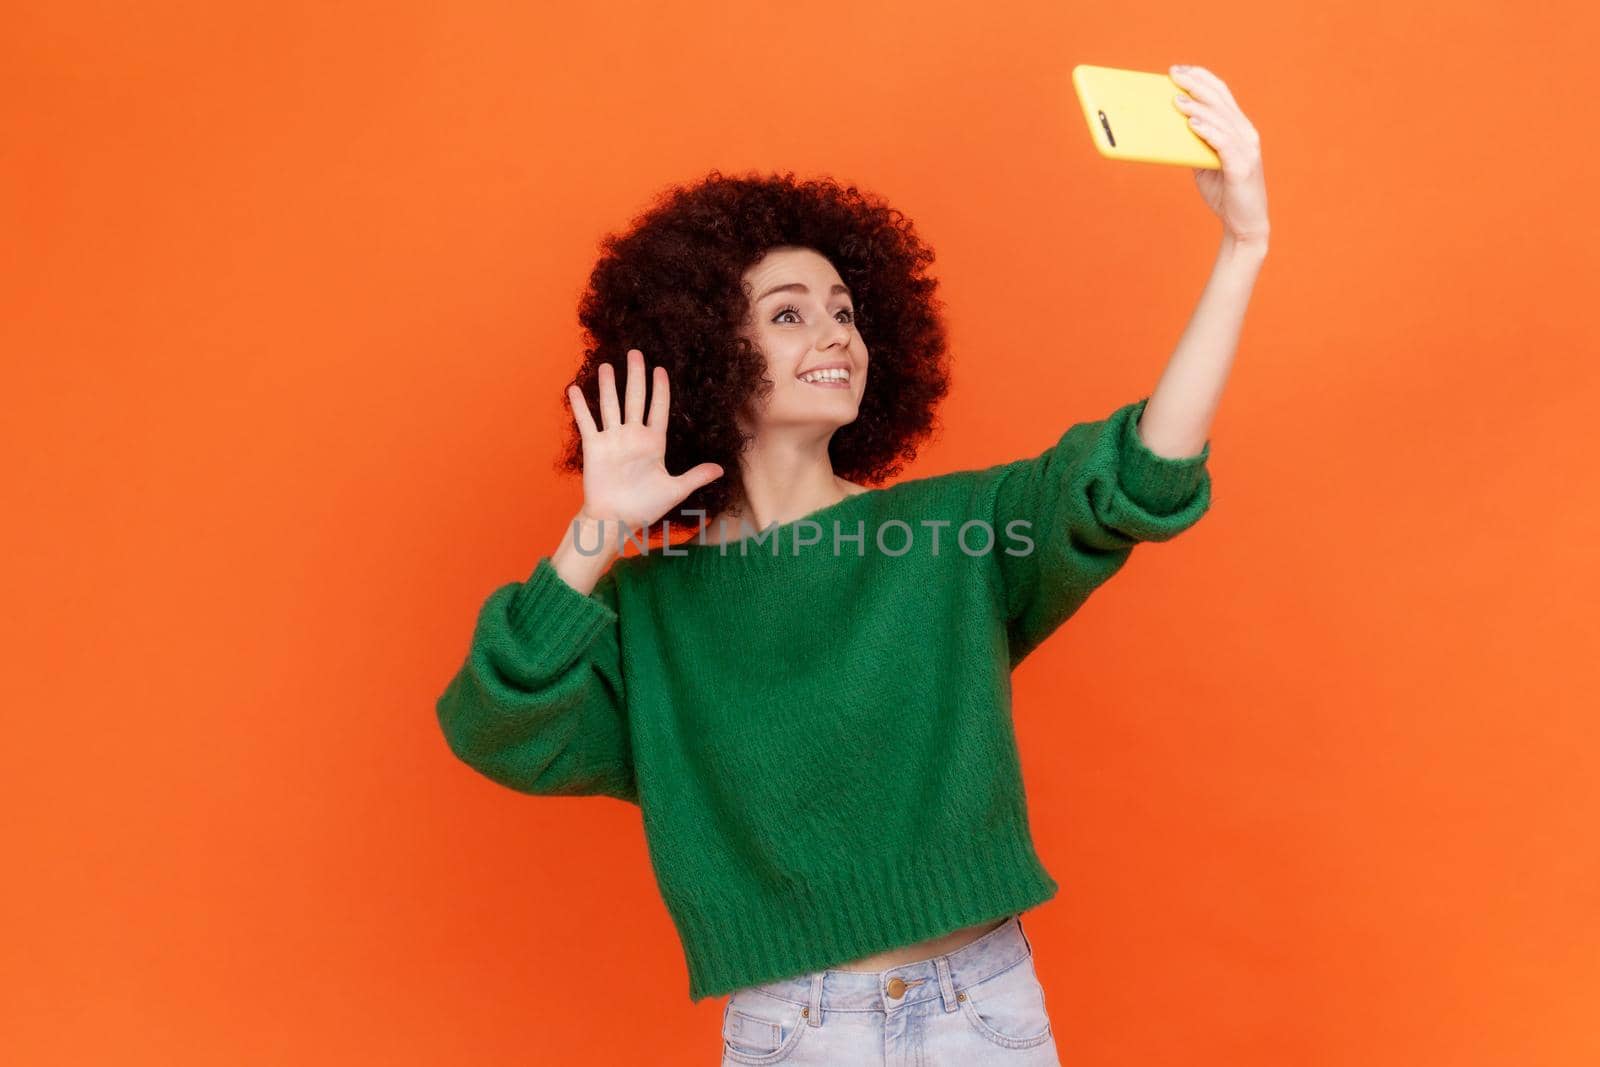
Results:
x,y
799,288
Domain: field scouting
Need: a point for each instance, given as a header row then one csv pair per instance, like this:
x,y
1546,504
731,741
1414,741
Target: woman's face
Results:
x,y
803,320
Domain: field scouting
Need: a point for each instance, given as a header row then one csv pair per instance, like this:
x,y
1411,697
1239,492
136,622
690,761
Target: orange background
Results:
x,y
289,302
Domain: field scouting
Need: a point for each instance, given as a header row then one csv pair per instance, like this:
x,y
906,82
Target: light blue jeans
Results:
x,y
980,1004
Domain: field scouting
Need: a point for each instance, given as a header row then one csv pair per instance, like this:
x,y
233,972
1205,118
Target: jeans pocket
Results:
x,y
1008,1008
757,1028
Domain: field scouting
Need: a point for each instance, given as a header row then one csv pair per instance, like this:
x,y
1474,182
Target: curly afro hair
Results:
x,y
672,287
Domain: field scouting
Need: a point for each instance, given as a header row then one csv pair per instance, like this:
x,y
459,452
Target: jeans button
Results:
x,y
897,987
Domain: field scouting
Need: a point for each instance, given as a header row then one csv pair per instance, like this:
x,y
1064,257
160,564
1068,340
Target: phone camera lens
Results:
x,y
1105,124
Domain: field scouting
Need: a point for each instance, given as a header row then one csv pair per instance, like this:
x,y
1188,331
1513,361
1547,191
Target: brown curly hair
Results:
x,y
672,287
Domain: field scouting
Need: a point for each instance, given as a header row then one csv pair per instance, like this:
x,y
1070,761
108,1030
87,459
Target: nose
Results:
x,y
839,335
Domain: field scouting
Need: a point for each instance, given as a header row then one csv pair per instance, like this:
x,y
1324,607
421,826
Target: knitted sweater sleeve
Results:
x,y
1083,504
539,704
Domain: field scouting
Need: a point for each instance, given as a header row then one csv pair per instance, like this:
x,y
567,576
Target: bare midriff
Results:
x,y
922,950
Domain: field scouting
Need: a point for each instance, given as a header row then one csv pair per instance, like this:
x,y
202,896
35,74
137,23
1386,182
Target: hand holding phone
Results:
x,y
1132,116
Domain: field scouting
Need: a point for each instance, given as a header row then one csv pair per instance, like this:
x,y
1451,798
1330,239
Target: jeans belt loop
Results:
x,y
947,983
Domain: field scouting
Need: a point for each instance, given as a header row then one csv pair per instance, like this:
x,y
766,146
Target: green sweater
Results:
x,y
820,740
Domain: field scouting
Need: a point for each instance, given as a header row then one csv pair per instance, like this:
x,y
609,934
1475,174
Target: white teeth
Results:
x,y
840,374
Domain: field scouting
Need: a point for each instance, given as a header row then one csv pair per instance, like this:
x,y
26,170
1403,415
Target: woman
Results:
x,y
809,698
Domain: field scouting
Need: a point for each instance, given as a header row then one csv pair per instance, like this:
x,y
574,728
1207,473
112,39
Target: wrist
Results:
x,y
598,538
1255,244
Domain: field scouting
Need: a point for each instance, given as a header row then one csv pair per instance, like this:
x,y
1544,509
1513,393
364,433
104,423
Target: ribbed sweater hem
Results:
x,y
880,904
1159,484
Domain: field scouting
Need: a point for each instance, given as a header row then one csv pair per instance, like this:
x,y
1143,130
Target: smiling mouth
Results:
x,y
829,379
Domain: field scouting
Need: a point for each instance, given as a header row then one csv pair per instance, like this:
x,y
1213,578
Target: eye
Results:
x,y
790,309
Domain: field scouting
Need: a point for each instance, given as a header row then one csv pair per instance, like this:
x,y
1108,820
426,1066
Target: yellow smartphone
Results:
x,y
1131,116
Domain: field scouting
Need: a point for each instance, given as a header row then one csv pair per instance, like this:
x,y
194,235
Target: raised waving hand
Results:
x,y
625,478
